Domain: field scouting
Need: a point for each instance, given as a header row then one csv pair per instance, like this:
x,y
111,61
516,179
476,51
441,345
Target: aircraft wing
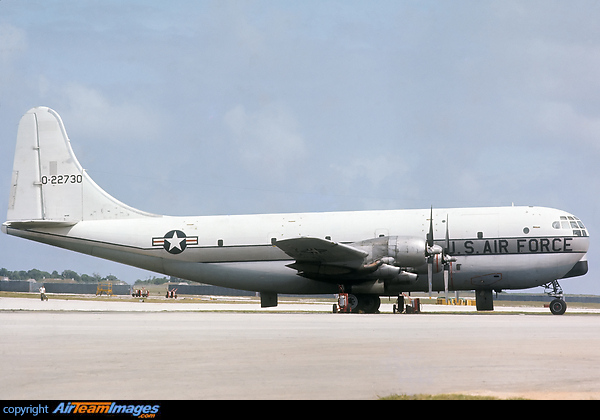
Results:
x,y
317,257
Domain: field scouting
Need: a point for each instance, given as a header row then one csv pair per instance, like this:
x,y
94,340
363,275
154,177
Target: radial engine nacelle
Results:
x,y
407,252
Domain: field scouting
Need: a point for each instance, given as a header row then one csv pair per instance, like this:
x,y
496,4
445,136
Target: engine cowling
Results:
x,y
407,251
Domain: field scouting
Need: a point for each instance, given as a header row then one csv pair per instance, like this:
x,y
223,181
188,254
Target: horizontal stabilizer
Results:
x,y
33,224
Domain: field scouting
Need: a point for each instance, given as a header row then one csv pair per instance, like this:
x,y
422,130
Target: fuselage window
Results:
x,y
556,225
565,225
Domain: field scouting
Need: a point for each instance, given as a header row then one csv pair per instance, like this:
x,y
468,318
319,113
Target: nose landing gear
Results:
x,y
558,306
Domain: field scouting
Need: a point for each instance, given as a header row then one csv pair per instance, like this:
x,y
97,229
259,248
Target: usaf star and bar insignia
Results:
x,y
175,241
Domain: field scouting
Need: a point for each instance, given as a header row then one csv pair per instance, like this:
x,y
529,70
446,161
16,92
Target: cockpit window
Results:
x,y
571,223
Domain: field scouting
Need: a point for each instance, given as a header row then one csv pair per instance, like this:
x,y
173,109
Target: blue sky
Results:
x,y
230,107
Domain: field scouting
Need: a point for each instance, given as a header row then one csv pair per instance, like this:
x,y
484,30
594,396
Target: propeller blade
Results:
x,y
430,275
430,234
446,274
447,237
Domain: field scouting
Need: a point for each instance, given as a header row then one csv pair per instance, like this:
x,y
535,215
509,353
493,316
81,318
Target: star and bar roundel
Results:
x,y
175,241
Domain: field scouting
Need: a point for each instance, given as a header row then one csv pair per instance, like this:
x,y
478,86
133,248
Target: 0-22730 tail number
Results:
x,y
62,179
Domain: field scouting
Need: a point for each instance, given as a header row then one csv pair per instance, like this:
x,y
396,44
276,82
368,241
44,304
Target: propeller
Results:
x,y
448,260
433,250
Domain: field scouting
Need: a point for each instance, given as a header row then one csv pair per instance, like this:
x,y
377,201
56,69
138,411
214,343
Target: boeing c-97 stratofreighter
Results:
x,y
367,254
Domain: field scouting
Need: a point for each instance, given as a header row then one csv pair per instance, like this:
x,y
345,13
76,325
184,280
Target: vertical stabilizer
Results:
x,y
49,184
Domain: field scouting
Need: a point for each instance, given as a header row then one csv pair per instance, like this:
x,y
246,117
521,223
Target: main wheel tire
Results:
x,y
371,303
558,307
354,303
368,304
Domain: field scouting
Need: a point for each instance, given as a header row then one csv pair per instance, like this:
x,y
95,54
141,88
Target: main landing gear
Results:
x,y
365,304
357,303
558,306
369,304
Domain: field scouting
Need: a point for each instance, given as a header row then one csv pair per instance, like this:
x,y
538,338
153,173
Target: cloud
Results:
x,y
374,171
12,41
90,111
267,140
13,45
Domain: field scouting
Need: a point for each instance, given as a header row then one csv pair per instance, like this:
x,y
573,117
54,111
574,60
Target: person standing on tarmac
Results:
x,y
43,293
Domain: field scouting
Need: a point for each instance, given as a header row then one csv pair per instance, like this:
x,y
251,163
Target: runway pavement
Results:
x,y
83,303
73,349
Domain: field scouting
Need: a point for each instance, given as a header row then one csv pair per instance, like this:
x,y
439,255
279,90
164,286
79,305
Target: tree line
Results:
x,y
40,275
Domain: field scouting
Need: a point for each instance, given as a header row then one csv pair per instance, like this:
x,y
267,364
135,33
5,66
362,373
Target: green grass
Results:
x,y
443,397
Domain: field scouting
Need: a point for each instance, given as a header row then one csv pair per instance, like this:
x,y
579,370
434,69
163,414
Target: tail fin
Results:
x,y
48,183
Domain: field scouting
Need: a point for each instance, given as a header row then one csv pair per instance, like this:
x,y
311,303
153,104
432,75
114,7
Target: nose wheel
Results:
x,y
558,306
